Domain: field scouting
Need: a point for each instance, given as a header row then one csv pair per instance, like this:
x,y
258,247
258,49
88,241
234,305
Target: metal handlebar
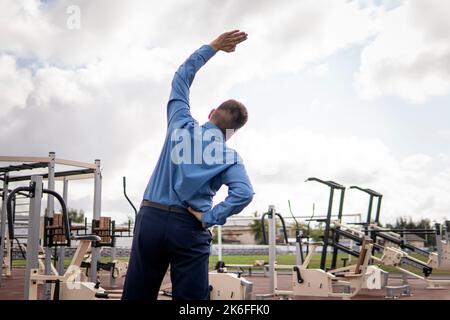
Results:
x,y
9,210
126,196
263,227
31,189
367,190
329,183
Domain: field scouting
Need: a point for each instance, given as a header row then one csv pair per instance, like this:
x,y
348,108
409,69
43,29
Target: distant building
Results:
x,y
238,232
415,240
412,239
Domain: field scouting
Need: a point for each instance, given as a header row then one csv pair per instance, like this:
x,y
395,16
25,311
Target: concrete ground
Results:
x,y
12,288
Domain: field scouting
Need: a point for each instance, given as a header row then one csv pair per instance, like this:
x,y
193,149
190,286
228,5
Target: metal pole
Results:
x,y
96,216
298,252
341,205
377,217
272,248
404,274
439,250
369,210
219,243
62,250
49,214
112,281
323,258
3,223
341,209
447,230
33,232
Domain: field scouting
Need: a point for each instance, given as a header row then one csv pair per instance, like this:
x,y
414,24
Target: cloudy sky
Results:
x,y
352,91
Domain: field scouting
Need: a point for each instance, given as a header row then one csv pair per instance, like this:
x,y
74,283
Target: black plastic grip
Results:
x,y
9,209
31,189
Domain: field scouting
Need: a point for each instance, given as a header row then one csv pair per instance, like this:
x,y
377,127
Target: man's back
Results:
x,y
195,161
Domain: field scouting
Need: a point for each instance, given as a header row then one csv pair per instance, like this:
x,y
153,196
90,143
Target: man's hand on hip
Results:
x,y
228,41
196,214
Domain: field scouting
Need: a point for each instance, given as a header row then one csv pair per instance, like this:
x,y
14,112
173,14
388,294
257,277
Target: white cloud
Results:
x,y
111,78
319,71
16,84
280,162
410,56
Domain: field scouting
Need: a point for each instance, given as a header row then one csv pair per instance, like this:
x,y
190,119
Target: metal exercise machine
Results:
x,y
335,232
373,195
83,171
333,187
443,245
439,260
67,286
103,226
109,232
390,256
315,282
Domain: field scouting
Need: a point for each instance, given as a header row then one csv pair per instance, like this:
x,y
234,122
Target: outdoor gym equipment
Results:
x,y
65,286
391,256
108,232
439,260
333,187
103,226
369,228
7,259
335,232
443,245
298,237
30,164
69,285
124,179
223,285
263,227
315,282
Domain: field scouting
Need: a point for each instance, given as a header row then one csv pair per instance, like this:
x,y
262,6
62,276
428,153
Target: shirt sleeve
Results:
x,y
240,194
178,105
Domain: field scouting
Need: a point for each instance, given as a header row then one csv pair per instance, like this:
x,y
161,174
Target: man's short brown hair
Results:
x,y
231,114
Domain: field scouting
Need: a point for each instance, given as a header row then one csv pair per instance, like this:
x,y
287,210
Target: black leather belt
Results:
x,y
146,203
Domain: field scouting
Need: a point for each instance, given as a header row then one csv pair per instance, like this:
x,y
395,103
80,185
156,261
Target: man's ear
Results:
x,y
211,113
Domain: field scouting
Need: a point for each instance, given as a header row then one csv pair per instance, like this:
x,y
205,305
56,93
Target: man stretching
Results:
x,y
171,227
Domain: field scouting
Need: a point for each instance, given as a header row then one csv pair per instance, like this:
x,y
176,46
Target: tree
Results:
x,y
316,234
215,236
255,226
409,224
76,216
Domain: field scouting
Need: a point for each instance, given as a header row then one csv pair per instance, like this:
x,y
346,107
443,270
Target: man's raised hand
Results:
x,y
228,41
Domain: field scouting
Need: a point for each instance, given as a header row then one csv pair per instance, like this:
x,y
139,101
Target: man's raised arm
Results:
x,y
178,105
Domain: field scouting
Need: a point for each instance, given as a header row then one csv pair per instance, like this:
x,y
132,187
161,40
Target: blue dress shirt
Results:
x,y
195,160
